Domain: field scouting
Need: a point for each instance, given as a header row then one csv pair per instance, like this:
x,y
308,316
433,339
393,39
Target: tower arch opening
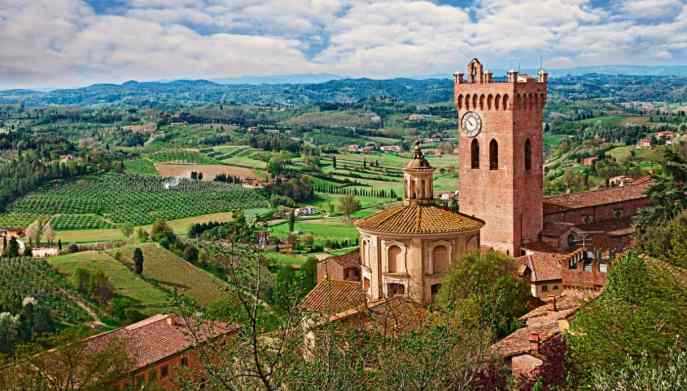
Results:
x,y
528,155
493,155
474,154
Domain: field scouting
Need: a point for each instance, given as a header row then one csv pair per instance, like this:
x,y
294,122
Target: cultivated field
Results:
x,y
117,199
175,273
148,298
27,277
209,171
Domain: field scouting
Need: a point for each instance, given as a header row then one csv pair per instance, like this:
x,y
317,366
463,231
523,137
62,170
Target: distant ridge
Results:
x,y
306,78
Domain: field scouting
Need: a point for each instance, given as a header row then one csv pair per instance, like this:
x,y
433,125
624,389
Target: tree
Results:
x,y
292,220
127,230
666,241
102,289
5,244
489,283
72,366
639,315
308,275
348,204
138,260
334,161
48,232
190,253
83,281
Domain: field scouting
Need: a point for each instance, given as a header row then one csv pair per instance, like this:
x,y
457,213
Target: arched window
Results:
x,y
481,102
394,258
505,102
493,155
440,259
528,154
474,154
460,102
490,102
497,102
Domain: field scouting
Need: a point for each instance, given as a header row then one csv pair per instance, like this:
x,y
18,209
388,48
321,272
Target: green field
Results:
x,y
320,229
281,259
147,298
174,273
17,220
116,199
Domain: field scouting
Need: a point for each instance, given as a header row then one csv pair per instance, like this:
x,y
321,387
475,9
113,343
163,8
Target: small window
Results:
x,y
152,375
588,219
588,264
528,154
544,288
555,287
164,371
603,267
184,361
474,154
493,155
618,213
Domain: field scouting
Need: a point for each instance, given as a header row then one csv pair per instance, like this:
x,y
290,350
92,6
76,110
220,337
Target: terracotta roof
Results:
x,y
350,259
419,219
332,296
555,230
543,266
633,191
159,337
518,342
607,226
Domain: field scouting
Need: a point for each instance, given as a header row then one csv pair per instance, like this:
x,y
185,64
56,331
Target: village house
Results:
x,y
391,148
354,148
645,143
162,345
620,180
344,267
44,252
305,211
589,161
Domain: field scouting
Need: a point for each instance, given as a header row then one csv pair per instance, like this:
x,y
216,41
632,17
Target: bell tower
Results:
x,y
501,154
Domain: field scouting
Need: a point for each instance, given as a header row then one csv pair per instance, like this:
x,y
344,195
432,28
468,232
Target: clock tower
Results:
x,y
501,154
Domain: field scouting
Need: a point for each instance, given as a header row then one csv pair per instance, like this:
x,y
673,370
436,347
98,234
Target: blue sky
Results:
x,y
57,43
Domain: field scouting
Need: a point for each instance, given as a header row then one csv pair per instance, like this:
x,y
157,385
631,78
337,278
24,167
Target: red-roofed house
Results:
x,y
344,267
162,344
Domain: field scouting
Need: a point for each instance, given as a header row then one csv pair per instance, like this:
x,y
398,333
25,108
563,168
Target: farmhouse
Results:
x,y
645,143
161,345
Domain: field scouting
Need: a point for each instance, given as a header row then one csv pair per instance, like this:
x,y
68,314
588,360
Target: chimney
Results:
x,y
170,320
534,341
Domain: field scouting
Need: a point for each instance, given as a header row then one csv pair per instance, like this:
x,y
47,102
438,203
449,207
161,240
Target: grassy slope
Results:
x,y
175,273
151,299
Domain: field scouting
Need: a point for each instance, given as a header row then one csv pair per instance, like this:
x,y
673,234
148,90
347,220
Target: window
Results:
x,y
396,290
152,375
544,288
572,241
184,361
555,287
588,265
440,259
435,290
493,155
366,283
588,219
394,258
618,213
474,153
603,267
528,154
164,371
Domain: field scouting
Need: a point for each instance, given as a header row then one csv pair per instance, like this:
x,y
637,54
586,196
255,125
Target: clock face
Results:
x,y
471,123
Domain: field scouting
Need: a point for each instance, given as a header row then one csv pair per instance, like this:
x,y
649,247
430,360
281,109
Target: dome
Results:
x,y
419,219
418,161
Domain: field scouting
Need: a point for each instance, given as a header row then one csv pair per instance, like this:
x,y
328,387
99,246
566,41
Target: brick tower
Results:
x,y
501,154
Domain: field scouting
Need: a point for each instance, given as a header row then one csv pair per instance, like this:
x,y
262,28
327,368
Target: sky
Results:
x,y
63,43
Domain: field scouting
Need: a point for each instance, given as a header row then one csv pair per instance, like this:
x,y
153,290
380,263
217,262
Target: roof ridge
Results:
x,y
637,182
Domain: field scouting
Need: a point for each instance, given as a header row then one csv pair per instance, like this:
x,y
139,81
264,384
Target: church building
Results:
x,y
564,241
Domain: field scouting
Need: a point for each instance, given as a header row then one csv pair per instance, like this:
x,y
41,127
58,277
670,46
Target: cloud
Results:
x,y
50,43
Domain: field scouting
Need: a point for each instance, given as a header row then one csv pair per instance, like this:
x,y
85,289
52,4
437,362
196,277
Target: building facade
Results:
x,y
501,154
407,249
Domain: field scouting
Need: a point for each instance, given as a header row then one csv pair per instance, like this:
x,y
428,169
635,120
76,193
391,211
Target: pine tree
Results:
x,y
138,260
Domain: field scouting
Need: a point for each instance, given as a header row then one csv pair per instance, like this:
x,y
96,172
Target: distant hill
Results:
x,y
309,78
597,82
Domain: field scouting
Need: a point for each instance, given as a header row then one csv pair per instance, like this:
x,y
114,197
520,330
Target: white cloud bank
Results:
x,y
50,43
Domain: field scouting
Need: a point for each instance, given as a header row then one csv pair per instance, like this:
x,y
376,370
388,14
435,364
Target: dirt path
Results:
x,y
96,319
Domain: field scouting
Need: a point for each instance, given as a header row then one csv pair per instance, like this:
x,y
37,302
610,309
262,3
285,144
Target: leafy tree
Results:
x,y
348,204
639,374
71,366
102,289
191,253
138,260
127,230
308,275
9,332
487,282
667,241
640,315
292,220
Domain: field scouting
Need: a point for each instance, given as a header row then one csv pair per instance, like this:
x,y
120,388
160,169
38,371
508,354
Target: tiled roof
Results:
x,y
633,191
555,230
332,296
159,337
350,259
518,342
544,266
419,219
